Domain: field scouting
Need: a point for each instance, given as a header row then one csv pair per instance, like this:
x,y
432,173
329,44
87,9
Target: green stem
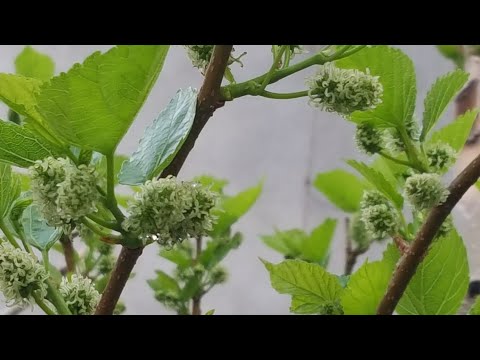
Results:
x,y
25,244
46,261
8,234
294,95
250,87
111,200
411,150
105,223
274,67
42,305
398,161
56,298
92,227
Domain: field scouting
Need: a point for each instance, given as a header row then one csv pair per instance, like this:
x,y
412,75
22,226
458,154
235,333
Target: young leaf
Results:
x,y
164,282
10,189
20,147
178,256
456,133
378,180
343,189
37,232
217,249
93,104
33,64
439,96
210,312
316,247
234,207
288,242
366,288
214,184
314,290
440,282
397,75
162,140
16,213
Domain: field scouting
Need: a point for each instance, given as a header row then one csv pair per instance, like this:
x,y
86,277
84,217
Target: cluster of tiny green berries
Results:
x,y
378,215
440,157
344,90
369,139
80,295
392,140
20,276
425,191
200,56
63,191
169,211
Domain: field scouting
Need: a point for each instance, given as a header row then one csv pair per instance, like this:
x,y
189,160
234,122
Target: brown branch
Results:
x,y
207,103
68,252
409,262
197,299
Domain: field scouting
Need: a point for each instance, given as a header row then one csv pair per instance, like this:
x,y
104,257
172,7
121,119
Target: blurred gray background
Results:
x,y
284,142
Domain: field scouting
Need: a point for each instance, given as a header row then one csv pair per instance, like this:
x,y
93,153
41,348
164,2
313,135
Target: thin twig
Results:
x,y
197,299
68,252
409,262
207,103
351,253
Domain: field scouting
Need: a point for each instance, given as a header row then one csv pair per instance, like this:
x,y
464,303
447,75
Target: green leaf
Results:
x,y
342,188
162,140
234,207
475,309
439,96
10,189
16,213
440,282
37,232
93,104
214,184
288,242
311,286
210,312
20,147
33,64
366,288
378,180
397,75
217,249
164,282
316,247
391,171
452,52
456,133
178,256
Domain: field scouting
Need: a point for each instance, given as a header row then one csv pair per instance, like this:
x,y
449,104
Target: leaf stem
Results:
x,y
294,95
8,234
197,298
42,305
274,67
105,223
56,298
46,261
398,161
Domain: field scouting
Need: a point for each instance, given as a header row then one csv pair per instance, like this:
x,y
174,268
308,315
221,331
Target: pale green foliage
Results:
x,y
9,189
36,230
313,289
169,211
342,188
33,64
20,275
162,139
80,295
425,191
93,104
344,90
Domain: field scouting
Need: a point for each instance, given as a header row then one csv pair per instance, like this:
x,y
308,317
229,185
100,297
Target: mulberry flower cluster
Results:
x,y
424,191
344,90
169,211
378,215
80,295
200,56
20,276
440,157
369,140
63,191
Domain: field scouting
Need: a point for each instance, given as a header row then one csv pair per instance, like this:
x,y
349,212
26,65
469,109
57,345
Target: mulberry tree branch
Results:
x,y
207,103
